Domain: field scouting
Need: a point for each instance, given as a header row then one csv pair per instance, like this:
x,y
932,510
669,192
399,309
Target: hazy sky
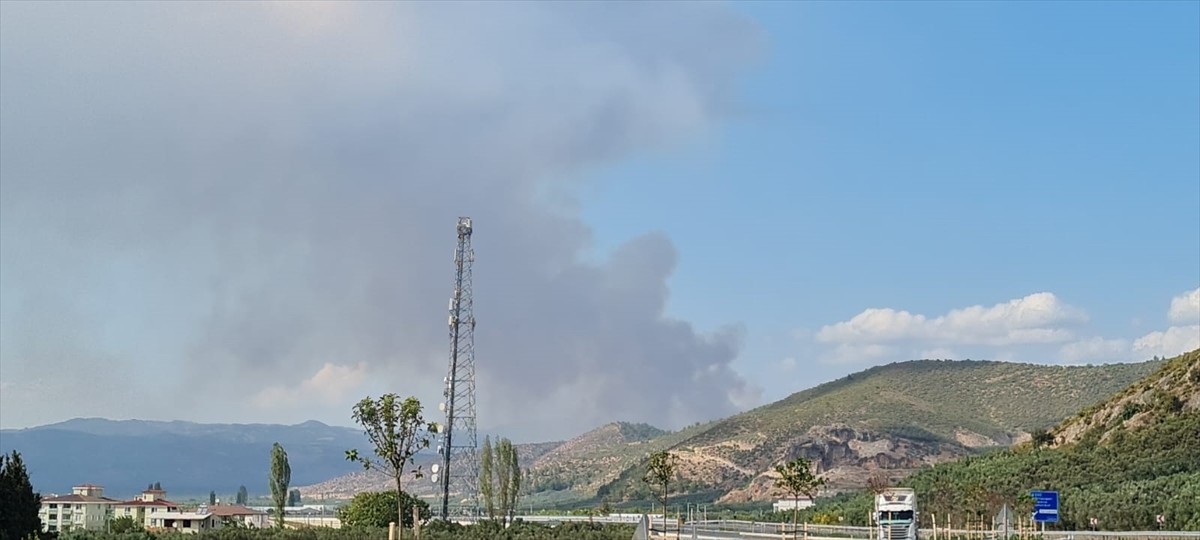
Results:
x,y
245,212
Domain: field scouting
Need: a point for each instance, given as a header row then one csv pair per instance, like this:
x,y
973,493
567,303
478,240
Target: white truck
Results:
x,y
896,514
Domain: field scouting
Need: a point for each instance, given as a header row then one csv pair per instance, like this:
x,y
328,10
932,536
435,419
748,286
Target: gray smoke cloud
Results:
x,y
245,211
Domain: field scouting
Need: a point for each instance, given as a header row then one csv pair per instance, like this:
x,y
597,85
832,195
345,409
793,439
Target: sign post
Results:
x,y
1045,507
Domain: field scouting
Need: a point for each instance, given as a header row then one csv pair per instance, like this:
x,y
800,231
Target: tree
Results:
x,y
242,496
397,430
1041,437
19,504
796,478
212,498
281,476
294,497
508,476
878,482
157,486
378,508
500,479
486,485
660,470
512,468
503,476
124,524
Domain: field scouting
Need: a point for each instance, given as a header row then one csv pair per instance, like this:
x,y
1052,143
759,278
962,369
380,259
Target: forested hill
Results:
x,y
898,417
1124,461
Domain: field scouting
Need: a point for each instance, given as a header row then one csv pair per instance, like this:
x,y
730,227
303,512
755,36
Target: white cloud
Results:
x,y
1095,349
1185,308
330,384
1037,318
1174,341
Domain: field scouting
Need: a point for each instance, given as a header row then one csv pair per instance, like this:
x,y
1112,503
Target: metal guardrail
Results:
x,y
813,531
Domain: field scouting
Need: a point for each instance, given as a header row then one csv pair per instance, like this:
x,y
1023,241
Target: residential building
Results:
x,y
186,522
233,514
85,508
146,509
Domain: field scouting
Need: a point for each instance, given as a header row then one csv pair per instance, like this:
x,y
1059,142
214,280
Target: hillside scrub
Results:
x,y
929,411
1122,474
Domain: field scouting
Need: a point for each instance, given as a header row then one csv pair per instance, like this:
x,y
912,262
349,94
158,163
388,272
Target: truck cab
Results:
x,y
896,514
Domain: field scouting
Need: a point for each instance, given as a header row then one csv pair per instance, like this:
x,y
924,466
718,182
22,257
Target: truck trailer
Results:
x,y
896,514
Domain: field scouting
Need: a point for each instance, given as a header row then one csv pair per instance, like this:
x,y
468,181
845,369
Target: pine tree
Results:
x,y
18,503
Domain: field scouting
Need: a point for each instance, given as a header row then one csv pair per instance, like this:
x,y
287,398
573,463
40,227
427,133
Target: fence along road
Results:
x,y
728,529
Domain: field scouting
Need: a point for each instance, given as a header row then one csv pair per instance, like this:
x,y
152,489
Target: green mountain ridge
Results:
x,y
895,418
1123,461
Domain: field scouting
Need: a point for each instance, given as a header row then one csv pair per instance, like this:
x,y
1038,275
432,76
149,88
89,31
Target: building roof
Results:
x,y
138,502
229,510
185,515
80,499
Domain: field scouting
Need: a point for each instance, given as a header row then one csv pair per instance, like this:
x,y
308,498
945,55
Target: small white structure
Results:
x,y
185,522
792,504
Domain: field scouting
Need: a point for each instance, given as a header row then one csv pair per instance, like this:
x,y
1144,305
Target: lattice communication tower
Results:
x,y
458,473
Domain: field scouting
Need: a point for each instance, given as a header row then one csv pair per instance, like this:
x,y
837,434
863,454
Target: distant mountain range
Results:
x,y
895,418
188,458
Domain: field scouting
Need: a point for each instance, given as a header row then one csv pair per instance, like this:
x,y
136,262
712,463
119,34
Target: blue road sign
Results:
x,y
1045,506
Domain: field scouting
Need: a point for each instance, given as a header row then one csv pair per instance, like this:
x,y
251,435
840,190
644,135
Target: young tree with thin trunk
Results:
x,y
660,470
281,476
796,478
398,431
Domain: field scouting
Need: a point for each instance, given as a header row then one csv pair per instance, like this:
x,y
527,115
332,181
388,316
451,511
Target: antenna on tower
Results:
x,y
458,475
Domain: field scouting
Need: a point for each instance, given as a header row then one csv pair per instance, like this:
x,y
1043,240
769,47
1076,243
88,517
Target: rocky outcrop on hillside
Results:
x,y
844,455
1172,390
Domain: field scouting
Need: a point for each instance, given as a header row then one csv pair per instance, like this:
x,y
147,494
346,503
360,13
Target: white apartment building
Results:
x,y
85,508
146,508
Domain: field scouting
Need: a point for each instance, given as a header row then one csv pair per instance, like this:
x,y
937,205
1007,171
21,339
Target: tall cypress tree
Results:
x,y
18,503
486,485
281,476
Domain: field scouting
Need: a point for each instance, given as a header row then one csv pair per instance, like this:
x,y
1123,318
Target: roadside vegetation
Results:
x,y
519,530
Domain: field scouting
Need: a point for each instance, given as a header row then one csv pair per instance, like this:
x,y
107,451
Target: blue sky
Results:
x,y
245,212
932,156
